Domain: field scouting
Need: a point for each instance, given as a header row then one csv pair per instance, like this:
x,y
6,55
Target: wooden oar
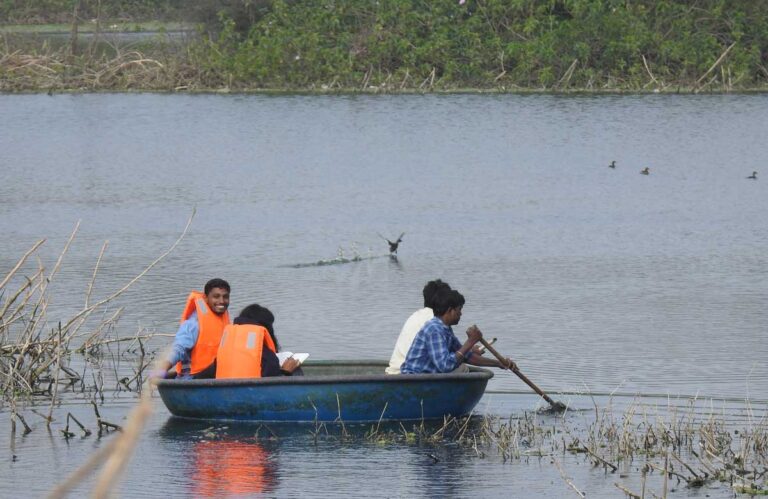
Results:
x,y
482,348
556,406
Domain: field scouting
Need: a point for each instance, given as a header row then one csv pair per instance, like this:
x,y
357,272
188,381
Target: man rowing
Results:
x,y
436,349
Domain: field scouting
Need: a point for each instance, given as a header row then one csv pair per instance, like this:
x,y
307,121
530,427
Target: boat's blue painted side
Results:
x,y
329,391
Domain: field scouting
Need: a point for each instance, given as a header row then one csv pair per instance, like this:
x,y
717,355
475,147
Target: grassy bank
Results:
x,y
440,46
91,26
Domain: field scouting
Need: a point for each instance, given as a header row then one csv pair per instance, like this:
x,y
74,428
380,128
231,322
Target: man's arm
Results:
x,y
466,351
474,335
477,360
183,343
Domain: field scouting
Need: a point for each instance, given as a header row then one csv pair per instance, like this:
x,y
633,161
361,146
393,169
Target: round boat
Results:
x,y
348,391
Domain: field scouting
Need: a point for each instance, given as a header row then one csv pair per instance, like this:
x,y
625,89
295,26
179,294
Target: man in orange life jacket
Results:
x,y
197,341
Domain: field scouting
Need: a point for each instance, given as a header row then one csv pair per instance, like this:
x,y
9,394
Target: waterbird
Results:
x,y
393,245
645,171
613,164
753,176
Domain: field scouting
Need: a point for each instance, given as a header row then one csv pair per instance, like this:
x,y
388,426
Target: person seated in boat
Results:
x,y
436,349
249,347
197,340
413,324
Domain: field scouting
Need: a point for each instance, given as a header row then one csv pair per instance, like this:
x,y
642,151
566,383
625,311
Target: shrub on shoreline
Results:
x,y
498,45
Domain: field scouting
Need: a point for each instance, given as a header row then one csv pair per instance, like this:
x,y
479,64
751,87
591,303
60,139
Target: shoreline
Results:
x,y
385,92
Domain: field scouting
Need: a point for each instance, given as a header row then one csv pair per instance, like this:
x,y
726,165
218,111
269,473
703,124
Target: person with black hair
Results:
x,y
436,349
202,324
413,324
249,347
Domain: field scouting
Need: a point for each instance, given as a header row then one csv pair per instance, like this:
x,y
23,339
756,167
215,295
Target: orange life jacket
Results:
x,y
211,328
240,351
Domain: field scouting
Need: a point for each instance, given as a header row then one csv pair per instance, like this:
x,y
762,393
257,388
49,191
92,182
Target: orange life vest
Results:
x,y
211,328
240,351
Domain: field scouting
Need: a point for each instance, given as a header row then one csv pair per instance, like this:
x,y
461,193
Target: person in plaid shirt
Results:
x,y
437,350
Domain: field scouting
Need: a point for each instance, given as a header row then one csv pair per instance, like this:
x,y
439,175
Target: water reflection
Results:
x,y
231,467
222,460
226,459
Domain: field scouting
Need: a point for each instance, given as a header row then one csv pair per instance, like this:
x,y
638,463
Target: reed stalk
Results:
x,y
32,355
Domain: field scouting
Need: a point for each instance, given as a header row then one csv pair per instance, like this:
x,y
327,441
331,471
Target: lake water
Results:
x,y
595,280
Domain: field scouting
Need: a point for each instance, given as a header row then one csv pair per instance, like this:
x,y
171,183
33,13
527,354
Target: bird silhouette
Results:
x,y
393,245
753,176
645,171
613,164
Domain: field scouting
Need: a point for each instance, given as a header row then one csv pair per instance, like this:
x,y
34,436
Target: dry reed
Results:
x,y
34,355
675,445
58,70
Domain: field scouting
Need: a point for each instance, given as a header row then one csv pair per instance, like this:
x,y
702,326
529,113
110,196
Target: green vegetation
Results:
x,y
442,45
91,27
61,11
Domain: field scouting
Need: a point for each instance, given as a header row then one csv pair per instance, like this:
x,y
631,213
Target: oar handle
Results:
x,y
494,352
517,372
482,348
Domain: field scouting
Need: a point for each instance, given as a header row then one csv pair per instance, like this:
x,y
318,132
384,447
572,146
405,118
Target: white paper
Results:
x,y
283,356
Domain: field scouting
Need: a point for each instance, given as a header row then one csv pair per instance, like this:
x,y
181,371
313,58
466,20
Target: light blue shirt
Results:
x,y
185,341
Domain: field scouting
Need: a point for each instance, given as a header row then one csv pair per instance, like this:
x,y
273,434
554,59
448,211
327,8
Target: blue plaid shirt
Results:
x,y
433,350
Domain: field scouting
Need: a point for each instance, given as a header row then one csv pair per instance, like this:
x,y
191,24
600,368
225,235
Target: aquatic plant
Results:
x,y
34,354
666,446
681,443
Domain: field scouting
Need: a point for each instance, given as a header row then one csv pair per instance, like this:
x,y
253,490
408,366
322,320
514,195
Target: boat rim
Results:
x,y
476,373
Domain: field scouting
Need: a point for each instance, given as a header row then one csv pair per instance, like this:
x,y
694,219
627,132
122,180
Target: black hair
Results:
x,y
259,316
446,299
216,283
430,289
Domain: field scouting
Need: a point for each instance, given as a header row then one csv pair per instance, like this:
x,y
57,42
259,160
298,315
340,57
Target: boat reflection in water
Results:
x,y
221,460
246,459
228,467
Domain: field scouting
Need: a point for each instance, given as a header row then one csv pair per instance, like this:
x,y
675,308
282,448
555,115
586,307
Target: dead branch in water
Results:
x,y
33,355
116,453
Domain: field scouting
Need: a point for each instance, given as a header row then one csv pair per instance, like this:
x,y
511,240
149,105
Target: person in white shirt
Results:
x,y
414,323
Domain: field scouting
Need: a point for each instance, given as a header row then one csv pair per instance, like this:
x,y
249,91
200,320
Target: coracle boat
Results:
x,y
329,391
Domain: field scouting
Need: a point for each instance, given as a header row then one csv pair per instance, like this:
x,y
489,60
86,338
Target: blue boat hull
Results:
x,y
329,391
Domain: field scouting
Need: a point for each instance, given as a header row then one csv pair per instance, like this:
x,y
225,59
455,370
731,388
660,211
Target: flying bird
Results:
x,y
393,245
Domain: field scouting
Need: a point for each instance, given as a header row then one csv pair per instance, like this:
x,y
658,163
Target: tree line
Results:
x,y
508,45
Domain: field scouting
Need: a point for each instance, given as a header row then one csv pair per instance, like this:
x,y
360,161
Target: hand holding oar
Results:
x,y
481,349
555,406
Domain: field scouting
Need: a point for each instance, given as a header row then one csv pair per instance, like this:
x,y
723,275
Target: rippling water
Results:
x,y
594,280
177,458
591,278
